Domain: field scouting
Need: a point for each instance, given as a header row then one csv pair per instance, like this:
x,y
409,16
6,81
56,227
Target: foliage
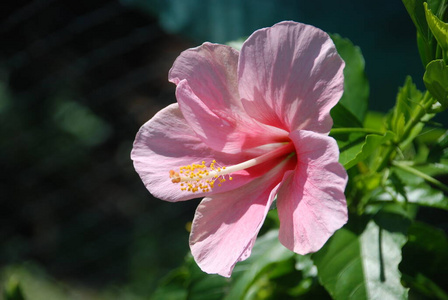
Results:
x,y
395,244
361,260
271,272
397,165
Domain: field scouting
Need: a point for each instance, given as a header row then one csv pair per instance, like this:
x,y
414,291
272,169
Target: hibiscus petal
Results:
x,y
226,225
225,134
166,143
290,76
207,92
211,71
311,202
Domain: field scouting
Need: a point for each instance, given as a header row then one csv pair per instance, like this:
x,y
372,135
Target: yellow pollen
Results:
x,y
198,177
201,177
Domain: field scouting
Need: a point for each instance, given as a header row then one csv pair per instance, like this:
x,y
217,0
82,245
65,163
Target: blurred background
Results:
x,y
78,79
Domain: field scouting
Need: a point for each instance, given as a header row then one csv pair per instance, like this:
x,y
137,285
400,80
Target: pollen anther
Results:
x,y
200,177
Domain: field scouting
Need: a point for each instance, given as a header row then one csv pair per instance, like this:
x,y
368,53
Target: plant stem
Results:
x,y
420,112
355,129
426,177
417,118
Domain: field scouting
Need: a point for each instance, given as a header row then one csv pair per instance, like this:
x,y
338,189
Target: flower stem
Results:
x,y
355,129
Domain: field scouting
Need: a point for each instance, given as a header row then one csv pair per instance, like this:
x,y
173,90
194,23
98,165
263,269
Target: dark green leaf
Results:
x,y
436,81
426,49
189,282
266,253
364,265
205,287
423,288
425,261
342,117
425,40
269,260
398,185
356,86
417,13
440,149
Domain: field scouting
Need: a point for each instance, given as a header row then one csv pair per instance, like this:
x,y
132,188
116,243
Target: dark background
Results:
x,y
78,79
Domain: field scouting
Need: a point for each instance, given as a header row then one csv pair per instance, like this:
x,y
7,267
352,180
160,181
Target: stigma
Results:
x,y
206,176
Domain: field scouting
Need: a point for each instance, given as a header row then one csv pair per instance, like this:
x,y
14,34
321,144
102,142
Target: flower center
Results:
x,y
200,177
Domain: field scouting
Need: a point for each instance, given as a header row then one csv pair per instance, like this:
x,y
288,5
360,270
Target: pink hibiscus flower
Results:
x,y
249,127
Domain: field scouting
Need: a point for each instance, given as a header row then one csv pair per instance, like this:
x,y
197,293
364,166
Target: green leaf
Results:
x,y
412,189
342,117
440,149
189,282
359,152
251,279
438,7
426,50
399,186
425,39
364,265
350,148
425,261
435,169
436,81
356,85
205,287
438,28
408,98
266,253
350,144
375,120
417,12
